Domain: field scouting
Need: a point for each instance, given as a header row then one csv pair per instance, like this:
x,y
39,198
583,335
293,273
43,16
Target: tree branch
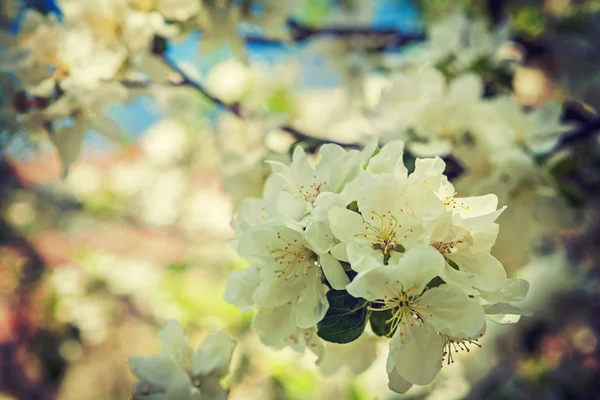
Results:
x,y
236,109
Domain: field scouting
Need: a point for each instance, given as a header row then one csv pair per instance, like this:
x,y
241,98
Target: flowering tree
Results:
x,y
366,210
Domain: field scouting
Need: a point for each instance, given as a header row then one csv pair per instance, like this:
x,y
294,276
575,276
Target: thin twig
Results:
x,y
236,109
186,80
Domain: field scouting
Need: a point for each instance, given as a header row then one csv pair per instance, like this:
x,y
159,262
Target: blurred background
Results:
x,y
132,129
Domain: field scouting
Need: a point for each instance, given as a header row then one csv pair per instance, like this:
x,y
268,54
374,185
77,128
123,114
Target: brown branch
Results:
x,y
235,108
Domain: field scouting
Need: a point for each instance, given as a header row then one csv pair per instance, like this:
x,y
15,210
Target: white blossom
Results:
x,y
178,372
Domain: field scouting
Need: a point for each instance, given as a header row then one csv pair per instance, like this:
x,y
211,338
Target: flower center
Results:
x,y
405,310
380,229
445,248
454,345
310,193
295,259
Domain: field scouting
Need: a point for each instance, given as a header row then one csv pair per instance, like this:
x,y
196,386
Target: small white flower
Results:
x,y
419,314
178,372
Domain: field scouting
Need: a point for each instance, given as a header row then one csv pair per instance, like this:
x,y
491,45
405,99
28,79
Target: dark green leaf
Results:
x,y
377,321
346,318
159,45
453,265
353,206
435,282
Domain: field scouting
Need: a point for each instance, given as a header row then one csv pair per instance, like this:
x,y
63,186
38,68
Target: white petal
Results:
x,y
419,265
363,258
505,308
389,160
485,271
175,342
180,387
319,237
240,287
345,224
397,383
213,354
459,279
312,303
277,291
476,206
482,222
155,369
376,283
289,206
339,252
513,290
416,352
444,307
274,325
334,272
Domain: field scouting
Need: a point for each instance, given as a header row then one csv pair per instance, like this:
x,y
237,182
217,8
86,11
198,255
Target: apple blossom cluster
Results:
x,y
352,238
70,68
178,372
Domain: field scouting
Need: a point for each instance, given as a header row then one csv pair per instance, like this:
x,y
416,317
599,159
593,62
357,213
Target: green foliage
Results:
x,y
529,21
346,318
313,12
353,206
375,152
559,168
378,322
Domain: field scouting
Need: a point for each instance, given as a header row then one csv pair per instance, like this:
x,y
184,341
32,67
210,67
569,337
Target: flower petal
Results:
x,y
444,307
397,383
180,387
213,354
155,369
376,283
277,291
334,272
505,308
416,352
240,287
274,325
175,342
513,290
485,271
319,237
339,252
345,224
312,303
418,266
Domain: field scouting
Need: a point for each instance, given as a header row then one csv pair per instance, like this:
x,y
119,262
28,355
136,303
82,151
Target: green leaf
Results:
x,y
346,318
375,152
377,321
353,206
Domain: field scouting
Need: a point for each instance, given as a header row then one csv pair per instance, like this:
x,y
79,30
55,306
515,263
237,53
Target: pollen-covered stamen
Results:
x,y
445,248
295,259
453,204
311,192
382,231
455,345
405,310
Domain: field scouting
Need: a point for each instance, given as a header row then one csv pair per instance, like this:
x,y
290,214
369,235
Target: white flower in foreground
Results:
x,y
289,272
178,372
420,316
